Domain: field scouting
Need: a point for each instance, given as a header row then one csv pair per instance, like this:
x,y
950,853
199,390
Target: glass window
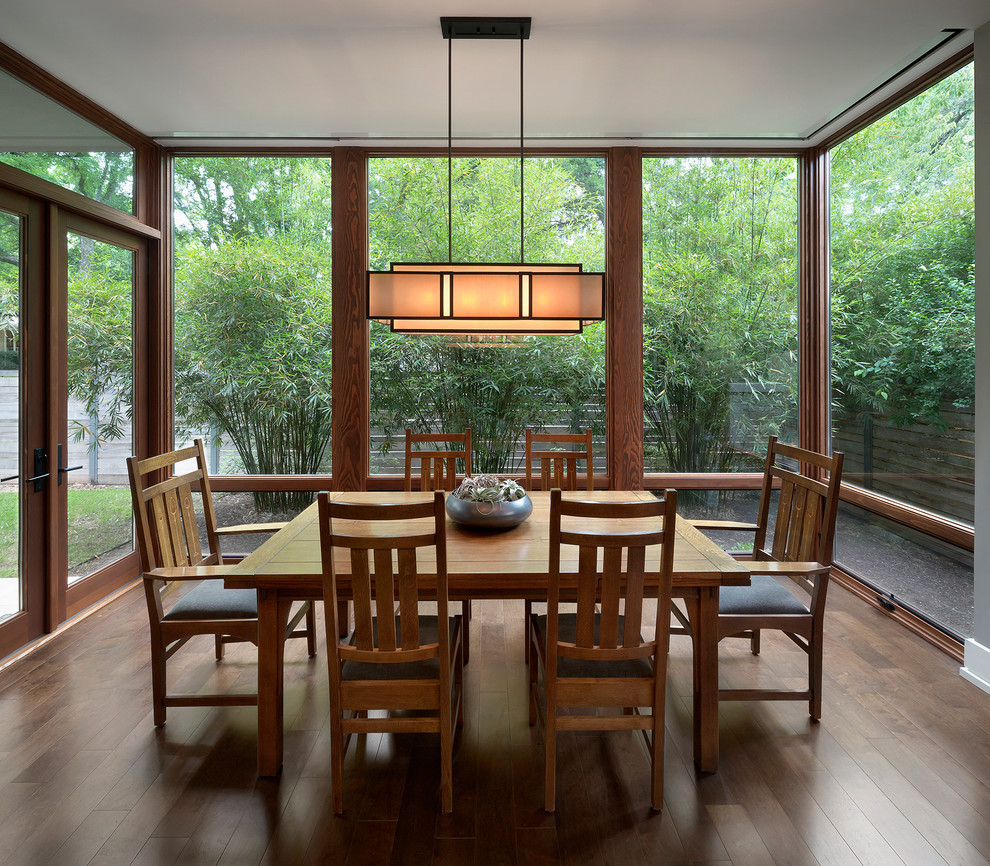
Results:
x,y
100,282
498,389
44,139
720,274
903,341
11,277
902,294
253,317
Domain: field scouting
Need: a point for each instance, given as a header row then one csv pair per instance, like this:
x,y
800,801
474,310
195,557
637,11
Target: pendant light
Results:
x,y
510,300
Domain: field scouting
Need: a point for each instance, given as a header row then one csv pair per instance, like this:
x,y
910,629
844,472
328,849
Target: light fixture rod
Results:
x,y
522,162
450,150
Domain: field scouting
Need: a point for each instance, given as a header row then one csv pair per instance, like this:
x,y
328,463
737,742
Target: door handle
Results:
x,y
39,471
63,469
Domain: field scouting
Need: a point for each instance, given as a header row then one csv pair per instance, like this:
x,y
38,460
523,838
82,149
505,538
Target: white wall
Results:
x,y
977,661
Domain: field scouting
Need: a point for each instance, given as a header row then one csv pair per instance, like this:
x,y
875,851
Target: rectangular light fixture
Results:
x,y
488,299
521,299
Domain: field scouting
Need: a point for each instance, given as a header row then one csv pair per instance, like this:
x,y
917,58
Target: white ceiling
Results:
x,y
647,70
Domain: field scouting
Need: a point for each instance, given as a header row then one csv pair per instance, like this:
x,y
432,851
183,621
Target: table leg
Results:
x,y
703,613
273,618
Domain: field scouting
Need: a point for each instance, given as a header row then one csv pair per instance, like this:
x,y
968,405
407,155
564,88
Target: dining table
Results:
x,y
508,564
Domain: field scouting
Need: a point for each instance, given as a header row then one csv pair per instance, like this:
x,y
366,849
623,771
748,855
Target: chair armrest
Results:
x,y
790,569
245,528
724,524
186,572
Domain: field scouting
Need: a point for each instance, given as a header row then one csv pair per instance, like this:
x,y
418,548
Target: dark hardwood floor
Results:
x,y
898,771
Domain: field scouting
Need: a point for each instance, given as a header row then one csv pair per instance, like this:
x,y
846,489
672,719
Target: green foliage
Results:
x,y
10,359
105,177
436,384
100,356
720,308
903,324
431,385
253,355
252,311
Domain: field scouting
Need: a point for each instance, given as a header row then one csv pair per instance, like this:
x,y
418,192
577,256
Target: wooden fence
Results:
x,y
917,463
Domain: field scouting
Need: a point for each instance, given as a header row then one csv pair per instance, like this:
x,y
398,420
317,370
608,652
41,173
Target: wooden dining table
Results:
x,y
510,564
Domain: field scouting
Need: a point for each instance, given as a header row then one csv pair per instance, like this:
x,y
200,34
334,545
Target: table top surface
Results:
x,y
508,563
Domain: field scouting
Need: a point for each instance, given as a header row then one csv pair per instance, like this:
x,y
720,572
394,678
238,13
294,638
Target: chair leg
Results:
x,y
527,613
815,677
337,745
311,628
550,757
534,683
754,642
219,646
656,765
466,630
158,684
446,758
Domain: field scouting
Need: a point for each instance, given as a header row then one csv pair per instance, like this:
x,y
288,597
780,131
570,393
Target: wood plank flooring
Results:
x,y
898,771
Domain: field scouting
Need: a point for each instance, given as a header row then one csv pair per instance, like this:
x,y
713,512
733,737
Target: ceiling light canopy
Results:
x,y
480,298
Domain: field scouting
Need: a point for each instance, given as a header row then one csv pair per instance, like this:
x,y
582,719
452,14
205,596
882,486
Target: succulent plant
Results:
x,y
488,488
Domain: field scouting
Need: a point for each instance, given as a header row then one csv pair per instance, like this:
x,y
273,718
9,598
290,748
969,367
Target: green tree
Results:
x,y
253,349
902,252
436,383
720,306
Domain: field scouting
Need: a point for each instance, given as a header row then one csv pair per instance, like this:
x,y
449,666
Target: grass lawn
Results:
x,y
99,521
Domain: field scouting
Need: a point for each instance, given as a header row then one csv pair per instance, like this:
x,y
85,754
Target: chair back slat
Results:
x,y
559,468
587,596
192,545
385,599
611,592
409,597
635,586
437,466
361,595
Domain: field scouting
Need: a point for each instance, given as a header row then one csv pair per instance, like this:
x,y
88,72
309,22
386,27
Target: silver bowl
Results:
x,y
489,515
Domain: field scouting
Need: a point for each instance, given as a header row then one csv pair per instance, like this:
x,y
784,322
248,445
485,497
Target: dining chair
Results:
x,y
800,549
438,471
557,460
168,535
600,658
397,659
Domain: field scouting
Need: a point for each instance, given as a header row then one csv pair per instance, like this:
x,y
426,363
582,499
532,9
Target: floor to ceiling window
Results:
x,y
253,317
720,274
902,313
497,389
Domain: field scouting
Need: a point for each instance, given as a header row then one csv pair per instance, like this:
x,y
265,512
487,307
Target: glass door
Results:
x,y
95,432
23,500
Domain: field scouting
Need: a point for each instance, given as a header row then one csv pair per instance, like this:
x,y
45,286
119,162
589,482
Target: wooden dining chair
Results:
x,y
438,471
168,536
557,461
801,550
396,659
601,659
437,465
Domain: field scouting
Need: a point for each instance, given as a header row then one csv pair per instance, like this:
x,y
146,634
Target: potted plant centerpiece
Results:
x,y
489,502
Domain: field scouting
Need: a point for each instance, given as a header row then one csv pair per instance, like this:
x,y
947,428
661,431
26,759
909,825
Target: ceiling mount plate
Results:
x,y
485,28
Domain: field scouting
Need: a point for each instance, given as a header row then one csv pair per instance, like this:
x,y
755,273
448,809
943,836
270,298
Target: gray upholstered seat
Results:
x,y
428,669
763,595
210,600
568,667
